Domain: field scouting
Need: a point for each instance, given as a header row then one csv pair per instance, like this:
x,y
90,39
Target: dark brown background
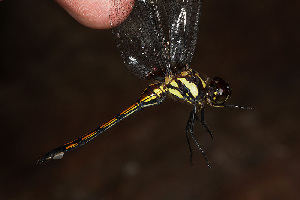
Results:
x,y
60,79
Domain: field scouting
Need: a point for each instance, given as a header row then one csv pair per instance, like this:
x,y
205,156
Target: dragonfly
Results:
x,y
157,42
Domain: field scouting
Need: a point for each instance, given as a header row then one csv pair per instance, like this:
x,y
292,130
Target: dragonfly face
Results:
x,y
218,92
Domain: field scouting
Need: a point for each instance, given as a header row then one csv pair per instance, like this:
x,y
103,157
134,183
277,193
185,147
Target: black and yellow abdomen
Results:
x,y
153,95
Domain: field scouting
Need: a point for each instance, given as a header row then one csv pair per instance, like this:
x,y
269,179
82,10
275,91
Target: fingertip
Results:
x,y
119,11
95,13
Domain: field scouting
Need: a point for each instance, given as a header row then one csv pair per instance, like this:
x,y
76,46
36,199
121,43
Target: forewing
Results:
x,y
142,37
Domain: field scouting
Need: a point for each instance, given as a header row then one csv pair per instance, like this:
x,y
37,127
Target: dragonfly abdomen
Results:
x,y
153,95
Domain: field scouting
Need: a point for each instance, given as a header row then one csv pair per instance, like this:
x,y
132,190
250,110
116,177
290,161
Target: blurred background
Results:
x,y
60,80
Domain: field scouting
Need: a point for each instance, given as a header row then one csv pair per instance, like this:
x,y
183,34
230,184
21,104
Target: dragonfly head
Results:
x,y
218,91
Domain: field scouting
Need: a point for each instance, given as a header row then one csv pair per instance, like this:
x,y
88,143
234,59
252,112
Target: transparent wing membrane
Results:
x,y
141,39
158,35
183,24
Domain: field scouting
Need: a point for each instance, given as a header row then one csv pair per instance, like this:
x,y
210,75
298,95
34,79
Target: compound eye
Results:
x,y
219,91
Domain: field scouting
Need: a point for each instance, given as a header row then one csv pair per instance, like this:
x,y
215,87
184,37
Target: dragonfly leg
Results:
x,y
190,130
204,123
188,127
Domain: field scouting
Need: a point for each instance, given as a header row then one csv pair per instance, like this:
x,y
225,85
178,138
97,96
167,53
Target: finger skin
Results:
x,y
94,13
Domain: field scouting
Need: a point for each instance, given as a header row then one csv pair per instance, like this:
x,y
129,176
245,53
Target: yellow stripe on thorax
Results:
x,y
191,86
175,92
174,84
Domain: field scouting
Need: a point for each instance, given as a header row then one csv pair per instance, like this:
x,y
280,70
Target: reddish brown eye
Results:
x,y
218,92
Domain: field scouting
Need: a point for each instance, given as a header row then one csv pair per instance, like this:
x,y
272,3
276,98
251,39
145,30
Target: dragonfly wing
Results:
x,y
141,37
183,25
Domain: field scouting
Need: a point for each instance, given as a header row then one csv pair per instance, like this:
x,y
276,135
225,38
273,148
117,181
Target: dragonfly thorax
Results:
x,y
190,87
187,86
